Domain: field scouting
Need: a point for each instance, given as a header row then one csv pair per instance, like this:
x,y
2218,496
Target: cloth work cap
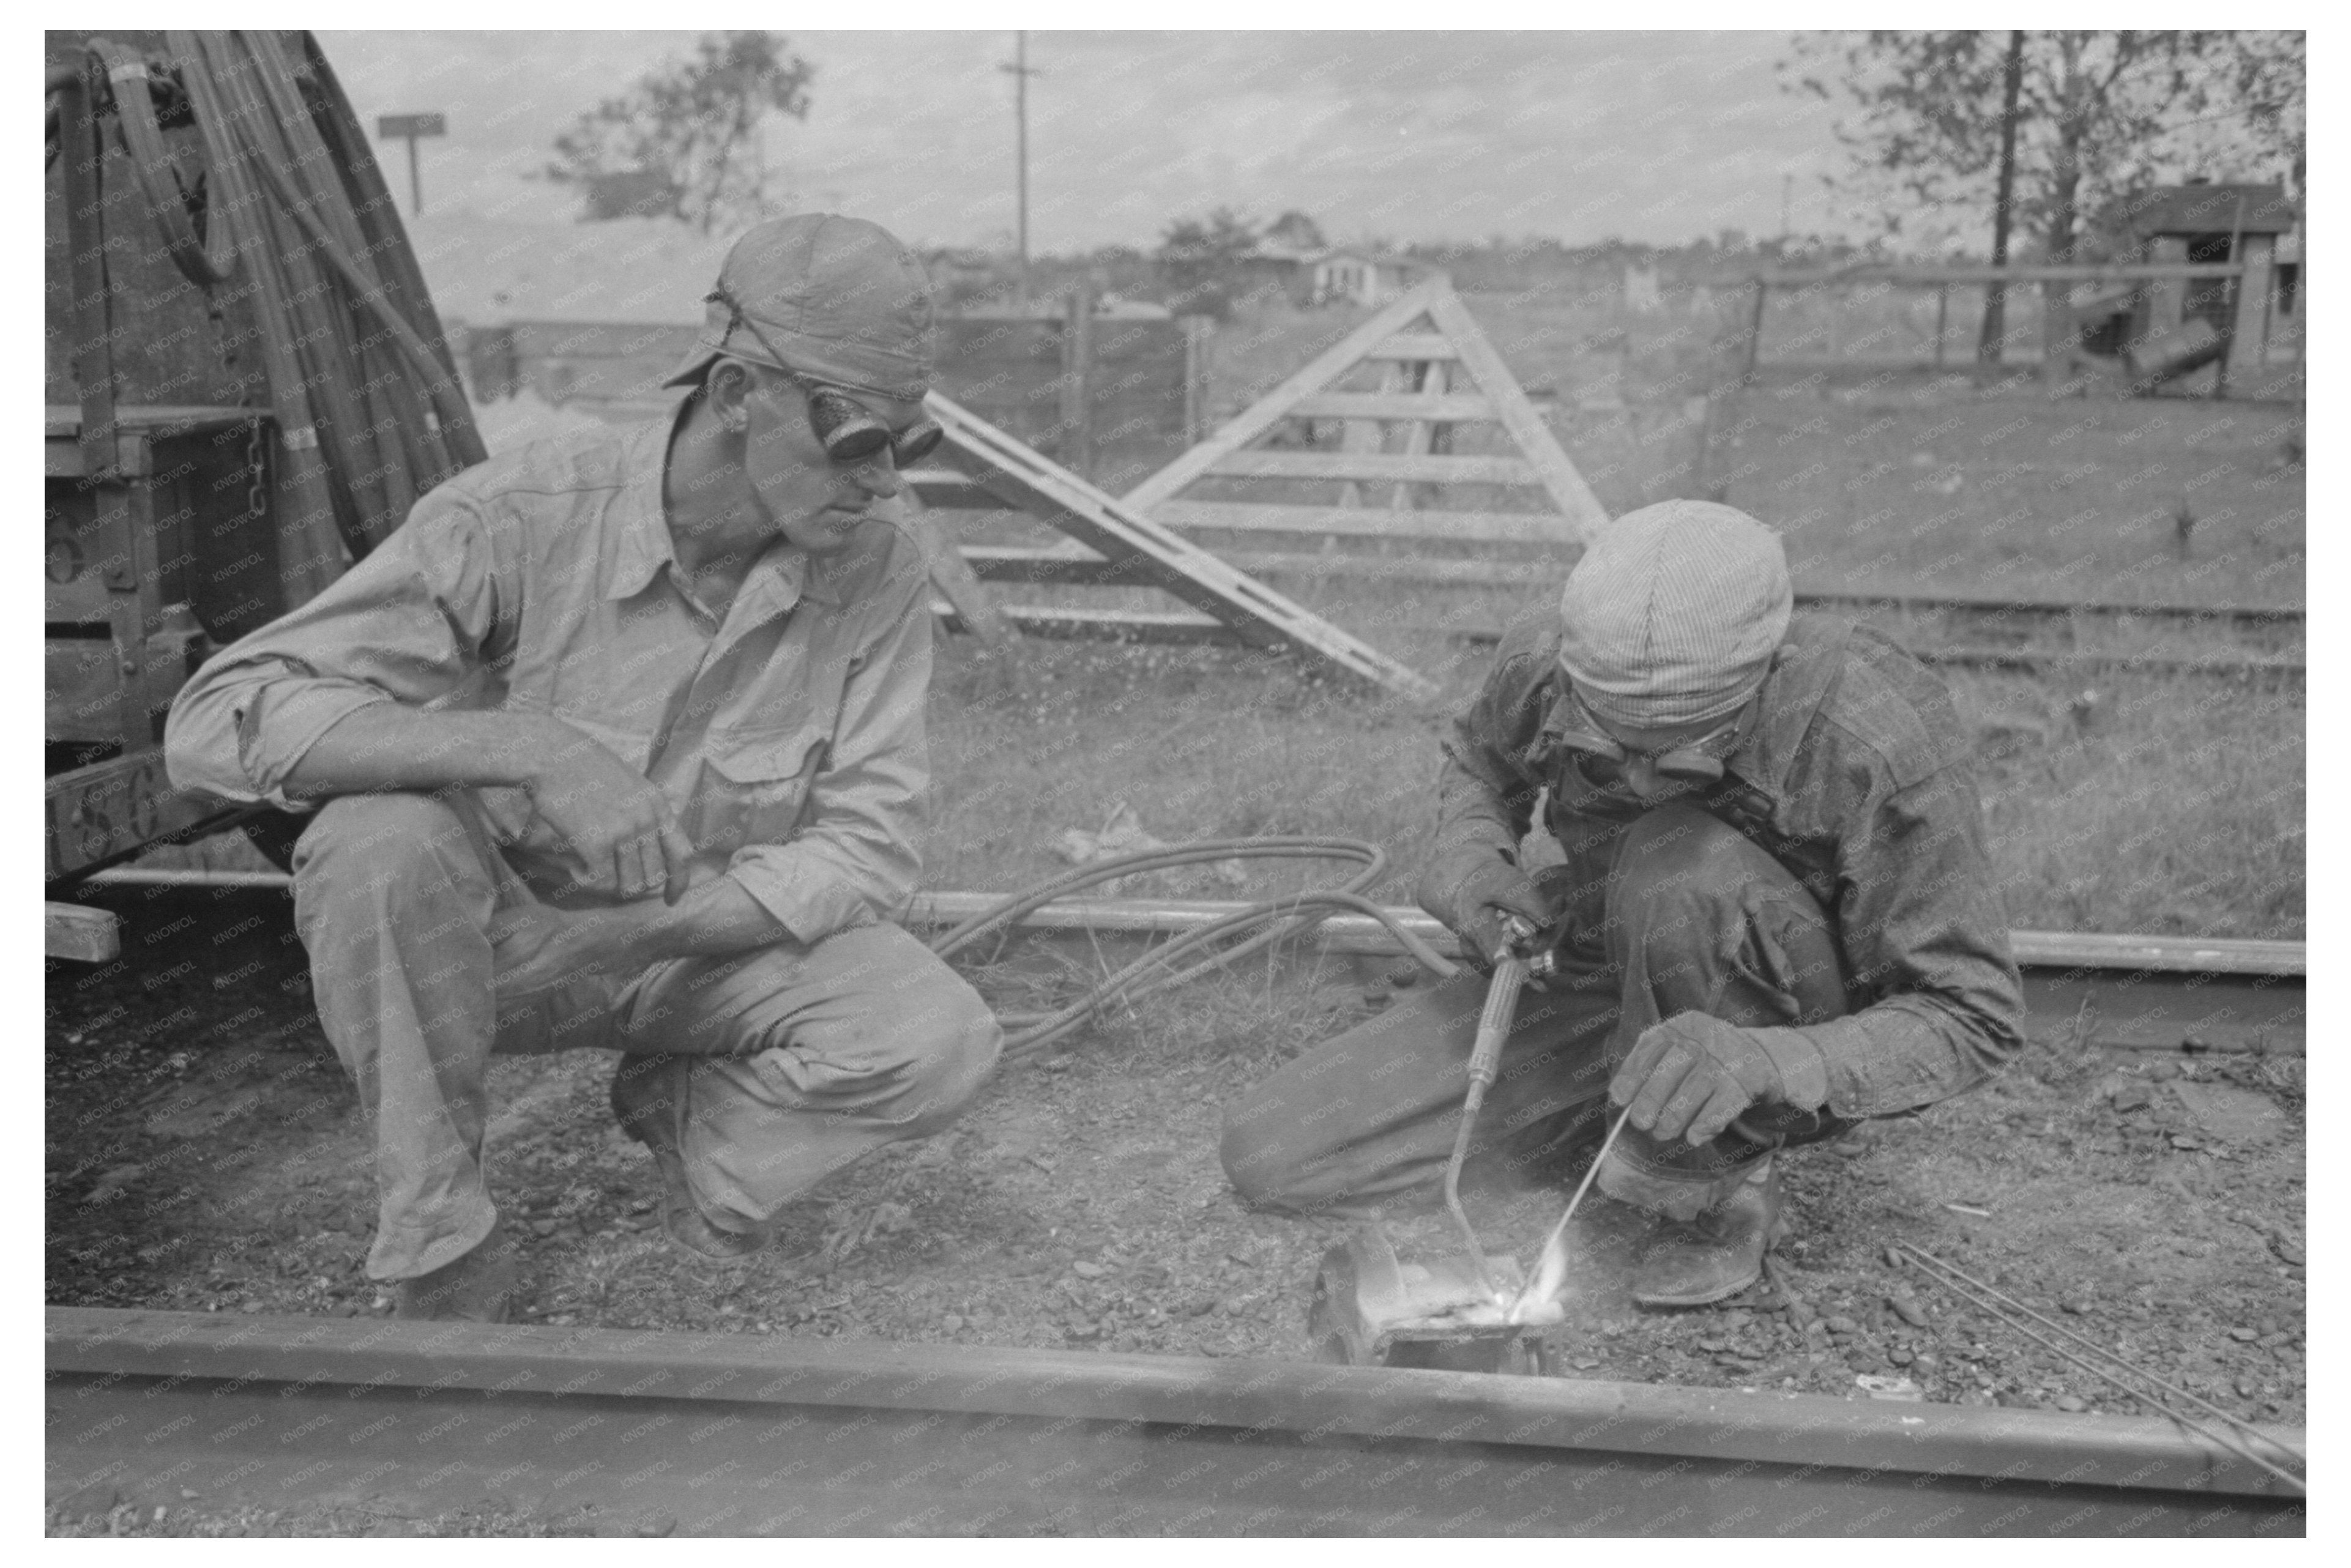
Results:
x,y
1672,614
841,300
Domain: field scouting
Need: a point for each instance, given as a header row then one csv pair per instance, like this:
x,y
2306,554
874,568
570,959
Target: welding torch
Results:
x,y
1512,972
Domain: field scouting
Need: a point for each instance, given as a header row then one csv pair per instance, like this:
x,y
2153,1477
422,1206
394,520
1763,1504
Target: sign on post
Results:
x,y
410,127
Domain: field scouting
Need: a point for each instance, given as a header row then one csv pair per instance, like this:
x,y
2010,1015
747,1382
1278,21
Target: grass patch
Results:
x,y
2165,805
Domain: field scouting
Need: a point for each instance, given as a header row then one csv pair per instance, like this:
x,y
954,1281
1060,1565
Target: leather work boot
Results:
x,y
477,1287
649,1101
1720,1253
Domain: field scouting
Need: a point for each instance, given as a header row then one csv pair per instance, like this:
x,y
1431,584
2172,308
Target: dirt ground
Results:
x,y
205,1153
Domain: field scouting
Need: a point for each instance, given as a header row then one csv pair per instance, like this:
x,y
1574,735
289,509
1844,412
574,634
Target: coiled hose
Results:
x,y
1294,914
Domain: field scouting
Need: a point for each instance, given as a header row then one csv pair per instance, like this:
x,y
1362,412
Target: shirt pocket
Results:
x,y
754,789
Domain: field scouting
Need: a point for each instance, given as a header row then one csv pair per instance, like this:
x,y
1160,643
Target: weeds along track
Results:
x,y
349,1426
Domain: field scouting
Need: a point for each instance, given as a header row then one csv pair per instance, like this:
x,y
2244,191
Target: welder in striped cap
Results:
x,y
1762,882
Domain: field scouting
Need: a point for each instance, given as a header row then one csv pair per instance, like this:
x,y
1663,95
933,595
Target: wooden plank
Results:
x,y
111,807
1569,493
1263,414
1375,465
78,932
156,421
1413,346
1530,575
942,487
1366,522
1019,477
1156,626
1452,406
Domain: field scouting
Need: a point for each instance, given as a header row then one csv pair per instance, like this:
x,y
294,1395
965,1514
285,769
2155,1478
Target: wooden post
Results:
x,y
1196,380
2249,330
2056,331
2167,298
1942,321
1077,380
1754,335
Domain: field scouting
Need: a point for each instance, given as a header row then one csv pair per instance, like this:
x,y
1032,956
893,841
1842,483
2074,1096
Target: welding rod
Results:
x,y
1987,1304
1558,1237
2084,1340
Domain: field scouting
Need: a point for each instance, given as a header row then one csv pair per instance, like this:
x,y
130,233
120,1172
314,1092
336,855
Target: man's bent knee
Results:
x,y
392,845
959,1041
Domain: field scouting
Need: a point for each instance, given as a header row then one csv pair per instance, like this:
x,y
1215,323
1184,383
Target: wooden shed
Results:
x,y
2210,223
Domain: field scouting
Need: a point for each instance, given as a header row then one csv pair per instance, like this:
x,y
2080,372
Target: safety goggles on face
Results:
x,y
1697,761
847,430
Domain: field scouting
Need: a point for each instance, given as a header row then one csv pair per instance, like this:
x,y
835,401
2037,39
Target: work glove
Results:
x,y
1692,1075
1475,907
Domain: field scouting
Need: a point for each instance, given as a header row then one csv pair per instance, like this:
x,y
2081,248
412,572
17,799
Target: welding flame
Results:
x,y
1538,1302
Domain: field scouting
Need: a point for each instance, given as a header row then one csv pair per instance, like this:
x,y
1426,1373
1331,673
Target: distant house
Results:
x,y
1344,275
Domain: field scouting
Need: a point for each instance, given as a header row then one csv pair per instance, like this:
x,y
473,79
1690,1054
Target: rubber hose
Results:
x,y
1290,916
206,262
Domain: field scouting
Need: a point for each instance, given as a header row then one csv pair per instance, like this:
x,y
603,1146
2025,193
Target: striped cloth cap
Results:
x,y
1672,614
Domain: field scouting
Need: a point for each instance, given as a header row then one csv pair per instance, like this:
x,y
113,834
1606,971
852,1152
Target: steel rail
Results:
x,y
2144,992
1362,933
719,1434
1053,565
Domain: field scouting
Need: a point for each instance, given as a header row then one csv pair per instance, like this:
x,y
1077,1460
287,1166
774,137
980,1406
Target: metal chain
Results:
x,y
257,500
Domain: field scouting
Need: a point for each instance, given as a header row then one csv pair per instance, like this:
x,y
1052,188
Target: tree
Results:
x,y
2100,115
684,142
1199,261
1296,230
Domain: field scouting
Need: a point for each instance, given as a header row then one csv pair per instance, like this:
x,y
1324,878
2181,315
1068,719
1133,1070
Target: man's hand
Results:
x,y
1477,907
620,828
1693,1075
537,949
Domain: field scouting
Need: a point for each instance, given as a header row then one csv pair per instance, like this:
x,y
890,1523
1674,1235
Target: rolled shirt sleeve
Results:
x,y
857,854
407,624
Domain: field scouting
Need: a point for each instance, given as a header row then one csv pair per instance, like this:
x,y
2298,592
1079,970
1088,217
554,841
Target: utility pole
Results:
x,y
1020,74
1787,190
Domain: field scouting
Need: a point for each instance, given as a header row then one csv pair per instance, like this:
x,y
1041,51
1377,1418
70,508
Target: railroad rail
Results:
x,y
2128,991
627,1432
1060,564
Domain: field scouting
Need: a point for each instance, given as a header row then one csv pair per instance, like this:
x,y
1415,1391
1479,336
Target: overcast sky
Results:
x,y
1406,136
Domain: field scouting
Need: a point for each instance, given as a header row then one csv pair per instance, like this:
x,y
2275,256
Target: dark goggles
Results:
x,y
1698,761
845,428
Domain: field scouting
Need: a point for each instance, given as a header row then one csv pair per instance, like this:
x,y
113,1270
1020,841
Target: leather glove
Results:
x,y
1692,1075
1473,908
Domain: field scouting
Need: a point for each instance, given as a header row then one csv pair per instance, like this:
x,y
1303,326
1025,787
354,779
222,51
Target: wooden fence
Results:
x,y
2149,294
1110,397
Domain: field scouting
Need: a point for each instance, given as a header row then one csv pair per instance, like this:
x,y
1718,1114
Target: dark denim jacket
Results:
x,y
1857,778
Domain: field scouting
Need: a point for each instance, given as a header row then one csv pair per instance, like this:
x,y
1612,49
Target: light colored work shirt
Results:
x,y
788,738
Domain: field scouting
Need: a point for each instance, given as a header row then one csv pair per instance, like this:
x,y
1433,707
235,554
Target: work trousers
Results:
x,y
811,1056
1697,918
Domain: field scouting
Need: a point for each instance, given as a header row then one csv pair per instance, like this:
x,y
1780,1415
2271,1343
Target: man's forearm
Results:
x,y
715,919
390,746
